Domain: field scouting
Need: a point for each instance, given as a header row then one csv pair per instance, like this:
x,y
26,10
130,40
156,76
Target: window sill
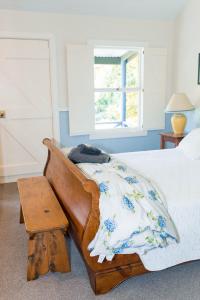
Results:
x,y
102,134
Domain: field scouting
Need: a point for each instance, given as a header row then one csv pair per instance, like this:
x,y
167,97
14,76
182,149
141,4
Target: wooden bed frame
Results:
x,y
79,197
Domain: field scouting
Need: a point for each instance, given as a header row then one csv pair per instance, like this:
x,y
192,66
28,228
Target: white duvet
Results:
x,y
178,177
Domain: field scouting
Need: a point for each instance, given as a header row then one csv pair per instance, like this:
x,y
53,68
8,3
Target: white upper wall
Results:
x,y
135,9
187,48
79,29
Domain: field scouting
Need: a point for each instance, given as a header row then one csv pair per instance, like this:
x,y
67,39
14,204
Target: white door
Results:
x,y
25,98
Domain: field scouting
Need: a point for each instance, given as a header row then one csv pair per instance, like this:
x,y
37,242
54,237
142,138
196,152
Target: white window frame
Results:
x,y
122,132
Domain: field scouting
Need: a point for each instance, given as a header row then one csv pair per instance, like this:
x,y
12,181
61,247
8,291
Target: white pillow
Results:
x,y
190,145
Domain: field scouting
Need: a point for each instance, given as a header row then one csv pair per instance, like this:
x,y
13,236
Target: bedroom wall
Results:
x,y
79,29
149,142
186,49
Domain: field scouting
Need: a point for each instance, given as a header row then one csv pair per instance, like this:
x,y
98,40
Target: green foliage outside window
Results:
x,y
108,104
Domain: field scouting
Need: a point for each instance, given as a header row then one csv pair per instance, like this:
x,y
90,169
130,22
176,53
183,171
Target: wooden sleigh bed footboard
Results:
x,y
79,197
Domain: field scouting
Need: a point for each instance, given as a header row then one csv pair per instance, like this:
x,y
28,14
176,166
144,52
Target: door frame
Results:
x,y
53,70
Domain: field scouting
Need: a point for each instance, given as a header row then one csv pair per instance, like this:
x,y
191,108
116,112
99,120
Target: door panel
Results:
x,y
25,95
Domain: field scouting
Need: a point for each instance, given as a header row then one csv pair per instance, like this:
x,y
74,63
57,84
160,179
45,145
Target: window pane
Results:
x,y
132,109
107,109
107,76
132,71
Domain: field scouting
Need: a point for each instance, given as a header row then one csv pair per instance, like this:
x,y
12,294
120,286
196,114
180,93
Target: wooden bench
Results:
x,y
46,225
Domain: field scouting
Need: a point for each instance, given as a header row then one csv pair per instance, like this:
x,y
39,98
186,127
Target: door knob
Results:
x,y
2,114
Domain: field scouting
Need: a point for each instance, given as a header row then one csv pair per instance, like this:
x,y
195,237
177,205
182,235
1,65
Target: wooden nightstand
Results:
x,y
170,137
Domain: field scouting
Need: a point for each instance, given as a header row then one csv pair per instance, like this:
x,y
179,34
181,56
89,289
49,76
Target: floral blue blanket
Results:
x,y
133,212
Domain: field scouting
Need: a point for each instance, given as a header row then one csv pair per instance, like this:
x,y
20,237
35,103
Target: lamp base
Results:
x,y
179,122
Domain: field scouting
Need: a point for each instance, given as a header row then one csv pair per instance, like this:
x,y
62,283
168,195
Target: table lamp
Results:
x,y
178,103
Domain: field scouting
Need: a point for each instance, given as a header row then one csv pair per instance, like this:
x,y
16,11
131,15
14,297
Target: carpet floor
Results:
x,y
180,283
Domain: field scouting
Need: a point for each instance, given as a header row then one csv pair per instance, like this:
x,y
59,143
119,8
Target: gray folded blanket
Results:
x,y
88,154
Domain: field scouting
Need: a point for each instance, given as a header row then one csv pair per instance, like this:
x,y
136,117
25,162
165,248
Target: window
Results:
x,y
118,88
141,108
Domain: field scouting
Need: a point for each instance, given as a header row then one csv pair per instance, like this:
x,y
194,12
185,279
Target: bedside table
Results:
x,y
170,137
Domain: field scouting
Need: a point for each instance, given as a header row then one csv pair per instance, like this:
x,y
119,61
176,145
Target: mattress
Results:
x,y
178,178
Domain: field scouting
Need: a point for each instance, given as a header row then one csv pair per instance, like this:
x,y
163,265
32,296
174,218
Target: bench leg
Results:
x,y
47,252
21,217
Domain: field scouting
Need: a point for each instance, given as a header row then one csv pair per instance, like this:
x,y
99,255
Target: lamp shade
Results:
x,y
179,102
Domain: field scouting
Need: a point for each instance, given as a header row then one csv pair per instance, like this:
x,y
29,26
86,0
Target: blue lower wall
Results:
x,y
149,142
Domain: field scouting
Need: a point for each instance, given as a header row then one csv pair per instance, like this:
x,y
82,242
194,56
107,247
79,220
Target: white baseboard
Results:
x,y
14,178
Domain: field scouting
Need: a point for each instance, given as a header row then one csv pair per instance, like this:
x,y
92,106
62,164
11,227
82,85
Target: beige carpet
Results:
x,y
182,282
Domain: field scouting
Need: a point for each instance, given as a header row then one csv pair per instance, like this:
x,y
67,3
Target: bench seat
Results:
x,y
46,225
